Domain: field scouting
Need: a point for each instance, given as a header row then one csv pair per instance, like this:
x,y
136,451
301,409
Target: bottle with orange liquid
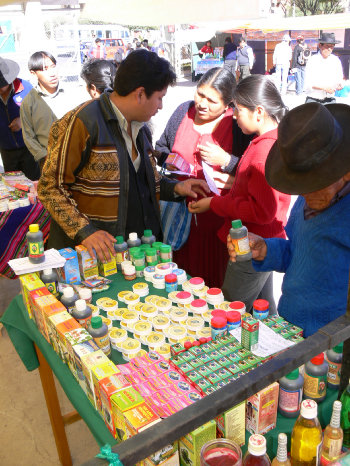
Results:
x,y
256,454
282,455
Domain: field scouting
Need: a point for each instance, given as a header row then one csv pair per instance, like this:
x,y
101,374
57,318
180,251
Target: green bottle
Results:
x,y
345,416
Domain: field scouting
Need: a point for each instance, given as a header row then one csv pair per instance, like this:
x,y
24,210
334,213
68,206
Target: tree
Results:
x,y
317,7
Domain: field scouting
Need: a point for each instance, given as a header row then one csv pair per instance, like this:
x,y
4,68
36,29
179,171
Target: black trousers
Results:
x,y
327,100
20,159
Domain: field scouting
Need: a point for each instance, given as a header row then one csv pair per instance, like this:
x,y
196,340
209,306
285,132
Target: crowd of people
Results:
x,y
100,173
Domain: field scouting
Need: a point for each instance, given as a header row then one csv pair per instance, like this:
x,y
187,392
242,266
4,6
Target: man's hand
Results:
x,y
213,154
192,188
15,125
102,242
257,246
198,207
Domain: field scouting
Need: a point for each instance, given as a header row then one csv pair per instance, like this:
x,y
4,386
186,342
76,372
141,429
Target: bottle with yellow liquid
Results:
x,y
282,456
333,437
306,436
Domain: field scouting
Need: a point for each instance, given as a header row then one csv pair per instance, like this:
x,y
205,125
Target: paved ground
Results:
x,y
26,436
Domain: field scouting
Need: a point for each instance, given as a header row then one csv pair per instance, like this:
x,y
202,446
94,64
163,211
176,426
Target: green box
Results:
x,y
224,362
205,357
276,327
213,366
295,330
233,368
210,390
215,355
234,346
232,378
295,338
202,384
193,376
234,357
185,367
250,333
207,347
243,364
243,353
190,446
285,333
225,351
220,384
196,362
176,349
213,377
187,356
227,338
203,370
216,344
223,373
196,350
177,361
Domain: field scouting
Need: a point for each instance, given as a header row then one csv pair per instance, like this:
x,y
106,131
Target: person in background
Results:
x,y
100,179
145,44
200,131
230,56
99,76
207,49
324,72
282,56
14,153
97,49
128,50
138,45
245,58
315,259
43,105
298,65
263,210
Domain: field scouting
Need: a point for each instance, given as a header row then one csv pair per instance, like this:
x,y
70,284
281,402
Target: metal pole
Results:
x,y
345,370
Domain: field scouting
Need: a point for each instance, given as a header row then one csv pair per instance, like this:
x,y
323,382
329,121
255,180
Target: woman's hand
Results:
x,y
213,154
257,246
198,207
223,180
191,188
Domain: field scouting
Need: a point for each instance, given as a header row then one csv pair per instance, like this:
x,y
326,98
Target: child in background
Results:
x,y
263,210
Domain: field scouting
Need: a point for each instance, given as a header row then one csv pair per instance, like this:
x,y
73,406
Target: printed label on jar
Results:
x,y
332,447
103,343
217,333
52,288
241,245
85,322
315,387
36,249
290,400
333,376
121,257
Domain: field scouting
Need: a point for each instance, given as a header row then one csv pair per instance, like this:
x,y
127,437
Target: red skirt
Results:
x,y
204,255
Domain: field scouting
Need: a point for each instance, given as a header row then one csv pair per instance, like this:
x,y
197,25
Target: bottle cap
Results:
x,y
218,313
85,293
47,271
187,345
34,228
171,278
233,316
261,304
120,239
147,233
165,248
308,409
257,445
236,223
80,304
157,245
132,236
339,348
318,360
202,340
282,439
96,322
68,292
293,375
218,322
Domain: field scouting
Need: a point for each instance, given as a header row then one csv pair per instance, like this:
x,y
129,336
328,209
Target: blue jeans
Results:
x,y
282,77
299,80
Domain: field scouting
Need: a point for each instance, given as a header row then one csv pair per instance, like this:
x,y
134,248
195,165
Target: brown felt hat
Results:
x,y
312,150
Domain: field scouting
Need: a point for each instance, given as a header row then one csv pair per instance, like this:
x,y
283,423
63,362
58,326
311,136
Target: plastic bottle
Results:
x,y
218,327
281,458
35,244
50,278
256,454
306,436
332,437
82,312
334,358
147,237
290,394
261,309
133,240
345,415
68,298
240,241
121,249
315,378
99,332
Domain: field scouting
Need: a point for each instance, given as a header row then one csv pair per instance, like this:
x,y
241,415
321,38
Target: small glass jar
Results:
x,y
139,259
156,245
139,271
220,451
233,320
129,272
170,282
151,256
166,254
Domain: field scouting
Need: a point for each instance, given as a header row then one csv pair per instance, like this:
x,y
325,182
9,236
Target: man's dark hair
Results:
x,y
97,40
138,45
99,72
228,40
37,60
142,68
242,39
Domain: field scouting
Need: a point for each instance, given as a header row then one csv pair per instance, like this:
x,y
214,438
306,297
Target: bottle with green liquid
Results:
x,y
345,416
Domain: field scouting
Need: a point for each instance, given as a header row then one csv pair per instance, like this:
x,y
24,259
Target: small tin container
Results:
x,y
218,327
141,330
154,340
160,323
196,283
170,282
181,275
261,309
148,311
158,281
233,320
179,315
199,306
140,289
193,324
184,297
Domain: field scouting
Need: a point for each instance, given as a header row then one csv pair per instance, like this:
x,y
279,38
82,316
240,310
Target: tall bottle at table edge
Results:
x,y
35,244
306,436
281,458
334,358
345,416
332,437
256,454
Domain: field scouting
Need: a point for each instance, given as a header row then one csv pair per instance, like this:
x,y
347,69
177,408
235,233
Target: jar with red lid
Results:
x,y
261,309
170,282
233,320
218,327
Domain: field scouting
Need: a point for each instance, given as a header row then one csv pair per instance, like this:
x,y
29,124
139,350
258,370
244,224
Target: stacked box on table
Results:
x,y
87,265
261,410
88,361
80,350
190,445
74,337
62,329
29,282
121,402
52,323
231,424
98,372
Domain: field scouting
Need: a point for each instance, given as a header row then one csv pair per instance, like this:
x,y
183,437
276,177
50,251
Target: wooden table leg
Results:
x,y
54,410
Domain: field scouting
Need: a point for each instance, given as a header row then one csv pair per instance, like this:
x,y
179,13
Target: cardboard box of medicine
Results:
x,y
74,337
88,361
80,350
121,402
32,296
49,309
108,268
109,386
87,265
190,445
250,333
139,418
167,456
231,424
29,282
99,372
261,410
70,271
62,329
43,307
52,323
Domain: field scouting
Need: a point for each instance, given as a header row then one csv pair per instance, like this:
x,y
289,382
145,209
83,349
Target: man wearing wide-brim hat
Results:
x,y
14,153
310,158
324,72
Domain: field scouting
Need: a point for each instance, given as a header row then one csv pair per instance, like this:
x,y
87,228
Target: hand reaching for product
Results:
x,y
213,154
257,246
192,188
198,207
100,242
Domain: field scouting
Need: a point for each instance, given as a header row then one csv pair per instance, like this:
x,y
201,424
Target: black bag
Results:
x,y
303,56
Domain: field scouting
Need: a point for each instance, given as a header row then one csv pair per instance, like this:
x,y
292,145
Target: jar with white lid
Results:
x,y
151,298
160,323
181,275
86,295
129,272
148,311
193,324
158,281
122,294
119,312
128,319
204,332
117,336
141,289
178,315
130,347
215,296
163,269
176,333
141,330
163,304
111,315
125,264
154,340
164,351
201,293
131,298
172,296
109,305
186,286
149,272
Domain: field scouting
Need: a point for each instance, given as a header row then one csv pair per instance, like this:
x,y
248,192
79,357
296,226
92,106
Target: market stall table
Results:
x,y
207,64
35,352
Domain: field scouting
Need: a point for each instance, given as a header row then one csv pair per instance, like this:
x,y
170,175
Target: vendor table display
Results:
x,y
207,64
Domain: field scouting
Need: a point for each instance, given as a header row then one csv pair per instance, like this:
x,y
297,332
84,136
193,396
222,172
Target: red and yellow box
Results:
x,y
62,329
29,282
139,418
121,402
261,410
